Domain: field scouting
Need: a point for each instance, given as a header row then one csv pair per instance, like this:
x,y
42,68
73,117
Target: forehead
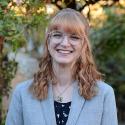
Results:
x,y
67,23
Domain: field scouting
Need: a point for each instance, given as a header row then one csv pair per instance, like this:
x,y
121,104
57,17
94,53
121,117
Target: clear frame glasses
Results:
x,y
58,36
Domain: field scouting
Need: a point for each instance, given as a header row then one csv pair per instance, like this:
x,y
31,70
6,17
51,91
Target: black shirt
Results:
x,y
62,112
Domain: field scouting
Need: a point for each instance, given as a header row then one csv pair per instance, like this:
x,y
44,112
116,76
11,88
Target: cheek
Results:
x,y
51,48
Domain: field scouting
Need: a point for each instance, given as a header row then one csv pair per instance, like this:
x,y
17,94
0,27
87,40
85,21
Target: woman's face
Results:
x,y
64,47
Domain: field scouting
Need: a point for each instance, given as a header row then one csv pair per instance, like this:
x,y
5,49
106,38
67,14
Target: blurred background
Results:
x,y
22,27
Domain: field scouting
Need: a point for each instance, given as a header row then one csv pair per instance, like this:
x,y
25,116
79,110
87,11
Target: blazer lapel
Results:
x,y
48,108
77,105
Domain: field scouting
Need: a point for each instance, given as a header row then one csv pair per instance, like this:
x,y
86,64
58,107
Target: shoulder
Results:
x,y
104,88
22,87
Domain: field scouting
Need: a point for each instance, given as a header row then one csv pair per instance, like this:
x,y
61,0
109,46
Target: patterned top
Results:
x,y
62,112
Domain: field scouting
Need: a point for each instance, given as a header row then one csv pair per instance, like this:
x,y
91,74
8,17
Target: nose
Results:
x,y
65,41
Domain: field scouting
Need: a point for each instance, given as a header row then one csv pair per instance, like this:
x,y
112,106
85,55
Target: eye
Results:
x,y
57,35
75,37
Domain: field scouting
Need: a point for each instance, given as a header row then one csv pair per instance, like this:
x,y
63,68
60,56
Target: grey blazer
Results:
x,y
24,109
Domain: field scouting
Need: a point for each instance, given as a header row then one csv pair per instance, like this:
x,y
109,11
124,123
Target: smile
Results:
x,y
64,51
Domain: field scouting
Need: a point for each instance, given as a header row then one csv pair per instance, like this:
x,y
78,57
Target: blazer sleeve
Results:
x,y
15,114
109,116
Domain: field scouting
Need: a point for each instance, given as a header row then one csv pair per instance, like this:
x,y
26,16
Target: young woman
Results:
x,y
68,88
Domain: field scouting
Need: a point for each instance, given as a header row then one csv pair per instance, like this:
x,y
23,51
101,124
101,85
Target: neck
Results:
x,y
63,74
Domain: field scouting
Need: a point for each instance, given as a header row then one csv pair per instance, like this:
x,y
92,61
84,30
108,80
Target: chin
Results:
x,y
63,61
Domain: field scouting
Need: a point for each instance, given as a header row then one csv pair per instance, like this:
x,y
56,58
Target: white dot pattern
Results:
x,y
62,112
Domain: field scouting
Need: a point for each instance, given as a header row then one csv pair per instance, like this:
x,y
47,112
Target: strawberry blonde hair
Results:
x,y
85,70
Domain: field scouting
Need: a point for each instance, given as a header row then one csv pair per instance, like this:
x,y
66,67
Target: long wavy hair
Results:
x,y
85,71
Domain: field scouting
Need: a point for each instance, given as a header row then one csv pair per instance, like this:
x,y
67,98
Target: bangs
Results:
x,y
67,22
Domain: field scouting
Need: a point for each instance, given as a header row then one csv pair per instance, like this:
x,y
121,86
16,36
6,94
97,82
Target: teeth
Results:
x,y
64,51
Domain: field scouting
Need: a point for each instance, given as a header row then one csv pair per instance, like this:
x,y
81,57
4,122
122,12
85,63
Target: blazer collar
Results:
x,y
76,104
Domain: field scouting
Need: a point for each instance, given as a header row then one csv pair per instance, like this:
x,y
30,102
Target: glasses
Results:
x,y
58,36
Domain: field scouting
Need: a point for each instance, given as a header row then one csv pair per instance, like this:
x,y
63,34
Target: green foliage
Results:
x,y
9,26
8,68
13,28
122,89
34,20
109,47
